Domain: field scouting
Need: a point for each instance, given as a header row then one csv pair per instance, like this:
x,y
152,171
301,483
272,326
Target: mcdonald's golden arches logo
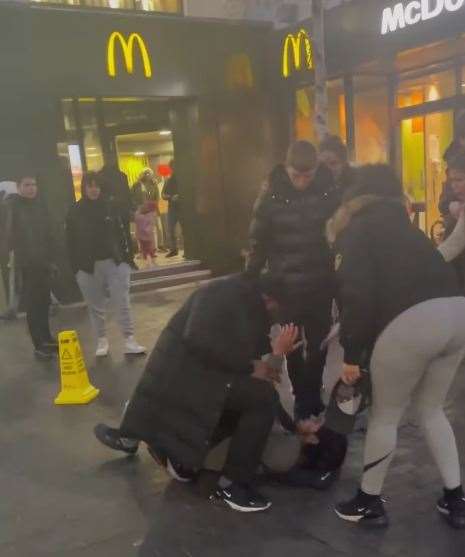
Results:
x,y
294,42
128,48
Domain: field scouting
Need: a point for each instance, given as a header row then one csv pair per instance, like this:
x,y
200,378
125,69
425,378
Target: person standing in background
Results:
x,y
28,234
100,252
171,194
145,231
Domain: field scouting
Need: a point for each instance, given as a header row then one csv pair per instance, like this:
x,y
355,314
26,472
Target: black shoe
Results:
x,y
172,253
306,478
453,510
363,511
175,470
44,354
110,437
242,498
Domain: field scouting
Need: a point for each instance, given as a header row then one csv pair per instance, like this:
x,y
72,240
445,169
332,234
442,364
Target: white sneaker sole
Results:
x,y
101,353
245,509
349,518
445,512
139,352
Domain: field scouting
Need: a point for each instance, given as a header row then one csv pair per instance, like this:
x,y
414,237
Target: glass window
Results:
x,y
304,127
426,88
90,133
337,109
170,6
371,116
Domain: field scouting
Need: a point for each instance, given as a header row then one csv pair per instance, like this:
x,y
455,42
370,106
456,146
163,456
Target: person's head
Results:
x,y
301,164
90,188
438,232
146,176
27,186
456,173
333,154
376,179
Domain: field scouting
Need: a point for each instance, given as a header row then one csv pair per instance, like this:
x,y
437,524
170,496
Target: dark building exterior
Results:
x,y
77,82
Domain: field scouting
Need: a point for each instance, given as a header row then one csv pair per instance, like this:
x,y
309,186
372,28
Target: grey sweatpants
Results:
x,y
108,278
415,360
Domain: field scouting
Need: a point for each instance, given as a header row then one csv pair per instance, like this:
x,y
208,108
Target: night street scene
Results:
x,y
232,288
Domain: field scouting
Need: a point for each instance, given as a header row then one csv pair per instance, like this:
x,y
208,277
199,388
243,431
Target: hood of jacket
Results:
x,y
344,215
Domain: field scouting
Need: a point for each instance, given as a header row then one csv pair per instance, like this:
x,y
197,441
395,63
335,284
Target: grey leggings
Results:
x,y
415,360
112,279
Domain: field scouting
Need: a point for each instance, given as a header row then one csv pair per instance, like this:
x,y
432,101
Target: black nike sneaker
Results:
x,y
175,470
111,437
242,498
452,507
364,511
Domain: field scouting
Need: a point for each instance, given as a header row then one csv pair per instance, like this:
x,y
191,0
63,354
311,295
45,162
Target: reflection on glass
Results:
x,y
371,116
90,132
426,88
304,127
337,109
69,118
423,142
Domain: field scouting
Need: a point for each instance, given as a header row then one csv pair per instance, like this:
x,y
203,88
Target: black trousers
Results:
x,y
36,292
249,413
306,367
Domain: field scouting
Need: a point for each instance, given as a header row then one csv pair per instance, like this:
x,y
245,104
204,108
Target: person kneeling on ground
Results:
x,y
204,368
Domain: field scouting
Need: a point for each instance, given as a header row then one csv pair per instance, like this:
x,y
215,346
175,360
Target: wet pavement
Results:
x,y
63,494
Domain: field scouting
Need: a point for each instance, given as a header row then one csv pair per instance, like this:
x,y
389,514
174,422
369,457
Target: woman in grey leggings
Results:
x,y
401,312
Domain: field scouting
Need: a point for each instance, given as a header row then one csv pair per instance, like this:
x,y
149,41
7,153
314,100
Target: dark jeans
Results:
x,y
36,292
249,413
306,370
173,219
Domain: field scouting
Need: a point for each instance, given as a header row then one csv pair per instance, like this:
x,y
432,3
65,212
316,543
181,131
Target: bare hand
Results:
x,y
307,430
285,342
350,374
265,372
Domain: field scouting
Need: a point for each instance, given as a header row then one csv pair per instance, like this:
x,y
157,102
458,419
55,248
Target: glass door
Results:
x,y
423,142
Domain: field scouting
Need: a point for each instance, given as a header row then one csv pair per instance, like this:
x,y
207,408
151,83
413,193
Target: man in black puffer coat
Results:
x,y
288,235
204,382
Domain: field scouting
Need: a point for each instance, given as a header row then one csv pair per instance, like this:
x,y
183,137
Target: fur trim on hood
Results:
x,y
341,219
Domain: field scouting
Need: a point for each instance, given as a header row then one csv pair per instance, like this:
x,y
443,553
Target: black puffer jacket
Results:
x,y
385,266
96,230
28,232
288,234
211,340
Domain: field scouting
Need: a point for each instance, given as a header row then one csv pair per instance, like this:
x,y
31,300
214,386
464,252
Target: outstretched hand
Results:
x,y
286,341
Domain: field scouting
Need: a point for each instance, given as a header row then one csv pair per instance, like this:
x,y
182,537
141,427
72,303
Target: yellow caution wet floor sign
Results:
x,y
75,386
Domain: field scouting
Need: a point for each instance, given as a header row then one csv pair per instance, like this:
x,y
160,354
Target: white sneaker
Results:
x,y
133,347
102,347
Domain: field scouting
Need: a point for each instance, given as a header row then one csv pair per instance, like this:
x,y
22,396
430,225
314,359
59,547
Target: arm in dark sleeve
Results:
x,y
259,236
356,280
216,333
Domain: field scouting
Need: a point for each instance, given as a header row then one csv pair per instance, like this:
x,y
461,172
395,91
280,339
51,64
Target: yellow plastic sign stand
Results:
x,y
75,386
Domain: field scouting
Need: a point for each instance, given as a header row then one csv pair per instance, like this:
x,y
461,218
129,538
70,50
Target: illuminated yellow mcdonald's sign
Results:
x,y
294,43
127,48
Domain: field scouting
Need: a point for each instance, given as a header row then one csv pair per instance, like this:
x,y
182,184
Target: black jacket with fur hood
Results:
x,y
385,265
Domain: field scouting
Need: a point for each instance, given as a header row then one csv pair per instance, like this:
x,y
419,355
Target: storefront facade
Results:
x,y
82,80
396,84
